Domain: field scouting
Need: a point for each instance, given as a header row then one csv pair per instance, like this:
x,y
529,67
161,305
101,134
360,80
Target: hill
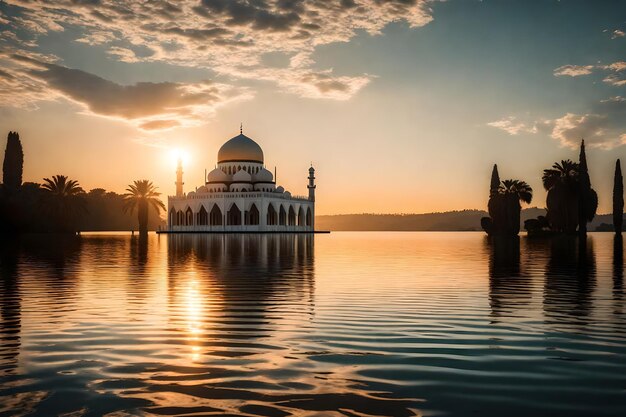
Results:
x,y
462,220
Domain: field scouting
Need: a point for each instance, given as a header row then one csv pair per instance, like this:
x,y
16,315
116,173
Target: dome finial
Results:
x,y
241,128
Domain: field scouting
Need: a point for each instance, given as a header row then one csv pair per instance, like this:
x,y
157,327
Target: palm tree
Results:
x,y
514,191
564,172
518,189
504,207
64,201
141,195
562,182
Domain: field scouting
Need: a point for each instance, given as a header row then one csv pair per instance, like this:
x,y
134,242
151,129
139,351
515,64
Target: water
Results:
x,y
350,324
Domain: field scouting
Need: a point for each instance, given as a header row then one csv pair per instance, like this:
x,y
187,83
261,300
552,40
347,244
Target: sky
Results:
x,y
402,106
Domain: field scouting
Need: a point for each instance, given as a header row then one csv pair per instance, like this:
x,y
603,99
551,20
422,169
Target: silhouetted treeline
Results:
x,y
60,204
571,202
105,212
25,211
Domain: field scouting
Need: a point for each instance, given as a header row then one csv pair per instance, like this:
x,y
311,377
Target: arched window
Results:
x,y
203,217
233,217
300,217
271,216
189,217
282,216
291,219
173,218
215,217
308,216
253,216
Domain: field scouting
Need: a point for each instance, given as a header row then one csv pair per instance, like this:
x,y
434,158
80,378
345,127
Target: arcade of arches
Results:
x,y
235,217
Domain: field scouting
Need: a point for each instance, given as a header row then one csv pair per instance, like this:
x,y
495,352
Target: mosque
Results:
x,y
240,195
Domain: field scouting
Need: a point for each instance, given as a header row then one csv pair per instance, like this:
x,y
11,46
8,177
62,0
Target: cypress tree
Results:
x,y
584,190
13,166
495,181
495,206
618,199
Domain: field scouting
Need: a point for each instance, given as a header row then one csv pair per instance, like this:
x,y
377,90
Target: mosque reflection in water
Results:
x,y
235,288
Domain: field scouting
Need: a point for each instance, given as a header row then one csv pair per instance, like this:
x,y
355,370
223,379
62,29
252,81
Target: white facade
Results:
x,y
240,195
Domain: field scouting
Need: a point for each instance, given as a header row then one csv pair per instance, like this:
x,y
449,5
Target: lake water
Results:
x,y
350,324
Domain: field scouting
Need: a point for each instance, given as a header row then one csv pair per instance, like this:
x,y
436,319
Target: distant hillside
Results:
x,y
464,220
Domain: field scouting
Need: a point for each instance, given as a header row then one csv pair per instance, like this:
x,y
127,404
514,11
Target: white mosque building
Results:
x,y
240,195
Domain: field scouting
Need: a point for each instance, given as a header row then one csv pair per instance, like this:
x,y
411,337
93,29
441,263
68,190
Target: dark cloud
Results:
x,y
229,37
257,15
196,34
150,106
130,102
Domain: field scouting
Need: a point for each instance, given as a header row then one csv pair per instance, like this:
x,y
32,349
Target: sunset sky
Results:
x,y
401,105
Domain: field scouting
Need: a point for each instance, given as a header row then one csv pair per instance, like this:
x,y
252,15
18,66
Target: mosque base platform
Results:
x,y
235,232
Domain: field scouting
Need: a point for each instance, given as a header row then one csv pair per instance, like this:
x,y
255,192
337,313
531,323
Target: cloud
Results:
x,y
615,80
97,37
150,106
159,124
229,37
123,54
604,126
616,70
616,66
594,128
573,70
512,126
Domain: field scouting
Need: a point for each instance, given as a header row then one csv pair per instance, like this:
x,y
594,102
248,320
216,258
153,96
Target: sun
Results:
x,y
177,153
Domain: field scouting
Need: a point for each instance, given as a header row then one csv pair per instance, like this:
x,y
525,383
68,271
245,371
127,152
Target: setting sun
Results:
x,y
176,154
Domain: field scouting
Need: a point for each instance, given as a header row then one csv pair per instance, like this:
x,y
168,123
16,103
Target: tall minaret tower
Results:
x,y
311,185
311,188
179,178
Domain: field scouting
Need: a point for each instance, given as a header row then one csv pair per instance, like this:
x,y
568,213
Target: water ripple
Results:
x,y
347,324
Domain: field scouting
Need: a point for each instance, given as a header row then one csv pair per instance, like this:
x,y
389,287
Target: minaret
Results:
x,y
311,185
179,178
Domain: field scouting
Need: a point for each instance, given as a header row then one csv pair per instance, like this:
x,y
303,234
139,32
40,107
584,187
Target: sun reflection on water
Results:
x,y
195,312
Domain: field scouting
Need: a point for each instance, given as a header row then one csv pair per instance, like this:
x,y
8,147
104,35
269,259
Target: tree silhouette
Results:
x,y
618,199
64,200
495,181
514,191
13,165
566,186
504,205
587,197
141,195
492,224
